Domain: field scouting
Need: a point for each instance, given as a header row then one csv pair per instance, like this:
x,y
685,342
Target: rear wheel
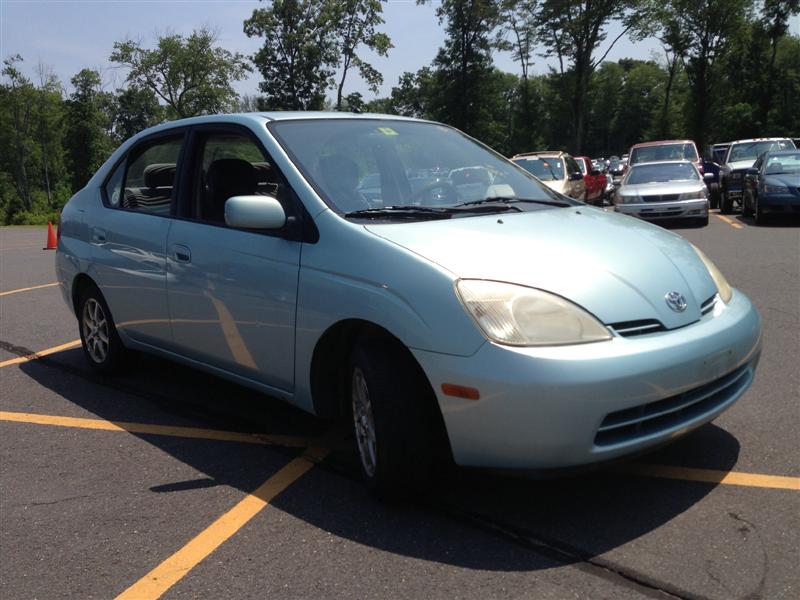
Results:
x,y
395,426
99,338
725,204
713,195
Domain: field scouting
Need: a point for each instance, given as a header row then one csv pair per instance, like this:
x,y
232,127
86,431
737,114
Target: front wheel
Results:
x,y
395,426
758,214
99,338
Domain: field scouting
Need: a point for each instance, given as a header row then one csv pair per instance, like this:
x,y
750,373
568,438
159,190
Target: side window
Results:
x,y
572,166
231,164
145,180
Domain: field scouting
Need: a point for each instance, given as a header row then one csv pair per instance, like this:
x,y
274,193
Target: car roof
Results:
x,y
259,118
782,152
662,162
764,139
542,153
661,143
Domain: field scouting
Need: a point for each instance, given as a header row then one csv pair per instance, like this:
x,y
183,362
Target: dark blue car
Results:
x,y
772,185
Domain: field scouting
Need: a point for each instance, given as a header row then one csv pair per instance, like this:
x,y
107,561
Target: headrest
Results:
x,y
231,177
159,175
775,167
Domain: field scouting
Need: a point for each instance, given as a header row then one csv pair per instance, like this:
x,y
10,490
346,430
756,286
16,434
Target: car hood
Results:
x,y
740,164
616,267
651,189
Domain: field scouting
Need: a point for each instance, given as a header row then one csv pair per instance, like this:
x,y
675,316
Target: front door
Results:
x,y
232,293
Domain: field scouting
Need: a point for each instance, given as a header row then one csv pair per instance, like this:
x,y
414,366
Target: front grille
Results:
x,y
640,327
661,198
707,306
639,422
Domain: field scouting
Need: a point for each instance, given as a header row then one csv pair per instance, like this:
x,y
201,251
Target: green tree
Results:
x,y
299,53
136,108
775,21
190,74
356,22
17,134
710,27
463,68
573,31
89,123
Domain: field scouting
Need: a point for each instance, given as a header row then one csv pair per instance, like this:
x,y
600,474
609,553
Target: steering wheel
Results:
x,y
447,193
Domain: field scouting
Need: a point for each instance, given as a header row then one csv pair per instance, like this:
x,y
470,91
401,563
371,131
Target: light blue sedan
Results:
x,y
460,309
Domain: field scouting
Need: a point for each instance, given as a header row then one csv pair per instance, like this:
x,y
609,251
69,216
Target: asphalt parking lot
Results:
x,y
169,482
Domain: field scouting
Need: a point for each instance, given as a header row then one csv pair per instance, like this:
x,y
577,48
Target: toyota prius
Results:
x,y
403,274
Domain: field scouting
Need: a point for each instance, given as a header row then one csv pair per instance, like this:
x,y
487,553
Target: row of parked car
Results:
x,y
668,179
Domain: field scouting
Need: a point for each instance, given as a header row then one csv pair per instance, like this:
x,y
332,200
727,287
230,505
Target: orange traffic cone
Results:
x,y
51,238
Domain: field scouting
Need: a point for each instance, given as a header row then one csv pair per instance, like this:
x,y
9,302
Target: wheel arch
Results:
x,y
80,282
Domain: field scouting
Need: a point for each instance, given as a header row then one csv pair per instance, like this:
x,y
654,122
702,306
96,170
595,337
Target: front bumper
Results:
x,y
779,203
665,210
556,407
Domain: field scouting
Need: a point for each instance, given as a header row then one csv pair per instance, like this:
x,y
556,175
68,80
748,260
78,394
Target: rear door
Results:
x,y
129,236
232,293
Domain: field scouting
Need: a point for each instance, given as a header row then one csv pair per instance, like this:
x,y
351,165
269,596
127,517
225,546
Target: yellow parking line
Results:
x,y
730,221
174,568
168,430
39,354
27,289
713,476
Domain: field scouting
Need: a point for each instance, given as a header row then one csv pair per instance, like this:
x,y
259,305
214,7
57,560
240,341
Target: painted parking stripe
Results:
x,y
147,428
173,569
39,354
729,221
758,480
28,289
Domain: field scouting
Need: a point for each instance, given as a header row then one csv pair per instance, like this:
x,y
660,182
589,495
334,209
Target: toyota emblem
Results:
x,y
676,301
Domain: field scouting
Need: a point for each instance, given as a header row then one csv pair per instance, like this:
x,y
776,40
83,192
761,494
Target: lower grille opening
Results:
x,y
639,422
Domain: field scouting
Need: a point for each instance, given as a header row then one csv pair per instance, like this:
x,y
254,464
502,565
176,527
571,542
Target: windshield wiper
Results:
x,y
513,199
443,212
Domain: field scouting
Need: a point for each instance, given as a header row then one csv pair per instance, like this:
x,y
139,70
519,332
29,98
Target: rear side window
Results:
x,y
145,181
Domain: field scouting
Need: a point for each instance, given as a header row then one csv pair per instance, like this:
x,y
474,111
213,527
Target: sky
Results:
x,y
69,35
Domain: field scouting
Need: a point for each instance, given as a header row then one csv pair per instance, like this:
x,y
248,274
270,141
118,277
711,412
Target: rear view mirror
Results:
x,y
595,173
254,212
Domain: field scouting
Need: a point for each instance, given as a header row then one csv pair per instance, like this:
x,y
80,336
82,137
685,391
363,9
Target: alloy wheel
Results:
x,y
364,422
95,330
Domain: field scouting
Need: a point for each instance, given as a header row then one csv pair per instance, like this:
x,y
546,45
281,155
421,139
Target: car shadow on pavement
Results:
x,y
467,520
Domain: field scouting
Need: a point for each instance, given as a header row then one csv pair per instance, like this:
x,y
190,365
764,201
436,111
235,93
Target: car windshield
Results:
x,y
752,150
783,164
616,165
381,165
662,173
679,151
546,169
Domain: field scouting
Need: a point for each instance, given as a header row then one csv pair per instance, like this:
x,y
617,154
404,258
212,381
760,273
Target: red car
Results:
x,y
595,181
665,150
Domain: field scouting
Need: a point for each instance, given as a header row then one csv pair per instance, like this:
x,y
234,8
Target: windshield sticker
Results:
x,y
387,131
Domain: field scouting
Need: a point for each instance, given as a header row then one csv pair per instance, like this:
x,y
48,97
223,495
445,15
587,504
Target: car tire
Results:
x,y
100,341
395,427
702,221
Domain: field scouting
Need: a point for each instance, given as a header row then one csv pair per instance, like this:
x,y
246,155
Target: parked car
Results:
x,y
664,190
772,185
616,169
594,180
665,150
738,159
486,331
557,170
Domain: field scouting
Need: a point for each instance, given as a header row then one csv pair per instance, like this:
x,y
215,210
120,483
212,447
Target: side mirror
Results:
x,y
254,212
708,176
595,173
576,176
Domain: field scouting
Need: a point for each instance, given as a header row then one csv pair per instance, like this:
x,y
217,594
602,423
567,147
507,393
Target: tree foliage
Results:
x,y
190,74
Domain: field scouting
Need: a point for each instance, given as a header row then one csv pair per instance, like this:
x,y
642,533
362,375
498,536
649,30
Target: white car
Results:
x,y
557,170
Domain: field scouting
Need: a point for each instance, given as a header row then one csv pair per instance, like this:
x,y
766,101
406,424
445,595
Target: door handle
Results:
x,y
98,235
180,253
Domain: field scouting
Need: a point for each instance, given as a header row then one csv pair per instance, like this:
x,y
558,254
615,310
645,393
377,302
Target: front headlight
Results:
x,y
521,316
698,195
776,189
723,287
629,199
